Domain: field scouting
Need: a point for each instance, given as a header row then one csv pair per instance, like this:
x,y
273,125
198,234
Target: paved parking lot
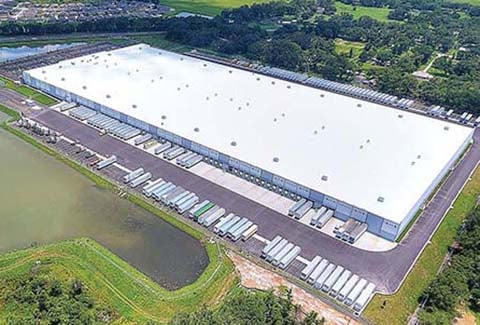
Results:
x,y
385,269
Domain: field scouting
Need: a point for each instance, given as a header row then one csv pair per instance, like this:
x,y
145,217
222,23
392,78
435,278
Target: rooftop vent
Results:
x,y
283,114
164,117
134,105
230,71
178,88
275,119
137,70
359,105
288,86
161,77
231,99
108,96
315,132
239,108
109,54
273,82
419,156
323,127
248,104
60,66
412,163
361,146
181,59
204,64
381,199
208,98
400,116
84,87
43,71
258,78
368,140
72,63
446,128
324,178
152,80
275,159
186,86
233,143
322,95
196,129
63,79
215,94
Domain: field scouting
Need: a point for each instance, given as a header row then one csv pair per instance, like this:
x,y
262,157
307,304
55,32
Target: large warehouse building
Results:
x,y
367,161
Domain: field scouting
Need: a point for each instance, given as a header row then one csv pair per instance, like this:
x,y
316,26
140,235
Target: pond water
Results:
x,y
11,53
43,200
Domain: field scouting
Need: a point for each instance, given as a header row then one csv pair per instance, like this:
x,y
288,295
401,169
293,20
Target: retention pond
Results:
x,y
43,200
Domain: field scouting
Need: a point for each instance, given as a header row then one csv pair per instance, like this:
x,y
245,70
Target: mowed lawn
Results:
x,y
28,92
344,47
207,7
395,309
380,14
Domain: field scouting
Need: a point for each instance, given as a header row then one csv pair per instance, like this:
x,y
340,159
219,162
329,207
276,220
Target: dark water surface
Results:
x,y
43,200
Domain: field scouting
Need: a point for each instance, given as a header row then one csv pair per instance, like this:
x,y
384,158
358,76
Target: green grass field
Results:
x,y
400,306
343,47
28,92
111,280
207,7
380,14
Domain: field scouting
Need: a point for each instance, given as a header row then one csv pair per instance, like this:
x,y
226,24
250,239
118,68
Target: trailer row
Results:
x,y
64,106
350,231
339,283
300,208
280,252
113,126
81,113
337,87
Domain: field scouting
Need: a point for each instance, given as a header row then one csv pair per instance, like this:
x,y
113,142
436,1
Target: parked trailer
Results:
x,y
292,255
347,288
339,230
316,217
281,254
174,153
131,134
307,270
176,201
237,234
340,283
324,276
350,229
193,161
177,191
249,232
276,250
207,214
296,206
223,230
270,246
203,210
357,233
318,270
332,279
162,190
140,180
149,144
188,204
235,227
222,222
132,175
198,207
214,217
303,210
183,199
325,218
158,150
107,162
154,186
183,159
150,187
363,299
353,295
143,138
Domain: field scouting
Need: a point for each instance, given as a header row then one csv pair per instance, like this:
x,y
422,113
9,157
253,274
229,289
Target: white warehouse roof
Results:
x,y
366,150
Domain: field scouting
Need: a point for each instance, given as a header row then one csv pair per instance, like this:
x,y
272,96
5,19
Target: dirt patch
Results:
x,y
256,277
467,318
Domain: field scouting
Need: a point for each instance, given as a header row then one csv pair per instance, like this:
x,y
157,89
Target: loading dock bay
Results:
x,y
386,269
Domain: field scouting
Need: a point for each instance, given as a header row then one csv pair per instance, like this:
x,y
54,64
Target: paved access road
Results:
x,y
386,269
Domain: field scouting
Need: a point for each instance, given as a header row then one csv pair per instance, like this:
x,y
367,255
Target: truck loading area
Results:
x,y
385,269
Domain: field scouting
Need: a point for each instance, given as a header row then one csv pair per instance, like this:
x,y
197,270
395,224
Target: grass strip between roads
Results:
x,y
129,291
28,92
395,309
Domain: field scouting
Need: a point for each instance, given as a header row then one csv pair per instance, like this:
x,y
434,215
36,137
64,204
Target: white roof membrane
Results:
x,y
366,150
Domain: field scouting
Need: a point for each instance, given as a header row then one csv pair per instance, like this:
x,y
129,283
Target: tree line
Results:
x,y
459,283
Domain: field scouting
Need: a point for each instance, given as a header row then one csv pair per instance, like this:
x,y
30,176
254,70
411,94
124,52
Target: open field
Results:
x,y
344,47
207,7
380,14
470,2
28,92
395,309
112,280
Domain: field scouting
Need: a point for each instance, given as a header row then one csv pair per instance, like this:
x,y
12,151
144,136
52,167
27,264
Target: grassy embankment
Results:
x,y
380,14
400,306
207,7
344,47
130,292
470,2
28,92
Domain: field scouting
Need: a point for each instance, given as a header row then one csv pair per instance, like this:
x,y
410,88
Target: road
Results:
x,y
386,269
